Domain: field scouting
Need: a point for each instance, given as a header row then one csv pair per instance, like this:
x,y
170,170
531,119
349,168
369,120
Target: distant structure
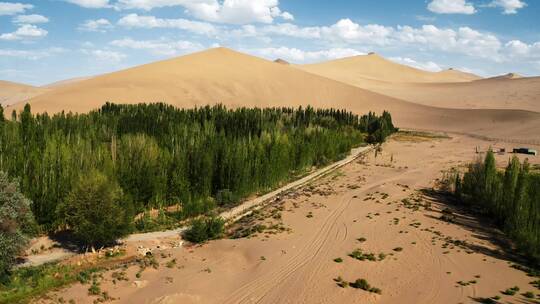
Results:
x,y
527,151
281,61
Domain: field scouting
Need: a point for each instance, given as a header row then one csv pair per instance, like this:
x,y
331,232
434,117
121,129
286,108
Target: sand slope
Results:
x,y
449,89
234,79
11,93
361,68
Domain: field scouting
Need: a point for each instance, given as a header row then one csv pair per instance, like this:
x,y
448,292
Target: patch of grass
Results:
x,y
510,291
171,263
361,256
28,283
528,295
364,285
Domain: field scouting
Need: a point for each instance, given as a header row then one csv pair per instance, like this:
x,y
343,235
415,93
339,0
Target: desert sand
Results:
x,y
380,198
12,93
234,79
447,89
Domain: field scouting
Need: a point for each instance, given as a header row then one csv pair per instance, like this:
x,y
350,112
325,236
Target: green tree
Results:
x,y
16,223
94,212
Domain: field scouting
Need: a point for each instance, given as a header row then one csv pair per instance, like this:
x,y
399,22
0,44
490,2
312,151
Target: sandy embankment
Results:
x,y
373,198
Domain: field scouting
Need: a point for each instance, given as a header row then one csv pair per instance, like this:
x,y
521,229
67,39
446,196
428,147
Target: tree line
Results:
x,y
156,155
510,196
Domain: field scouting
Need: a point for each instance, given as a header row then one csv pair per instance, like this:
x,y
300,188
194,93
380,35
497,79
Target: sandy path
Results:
x,y
364,199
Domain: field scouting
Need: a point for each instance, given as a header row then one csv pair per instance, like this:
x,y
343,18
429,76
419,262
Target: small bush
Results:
x,y
529,295
398,249
511,291
204,229
338,260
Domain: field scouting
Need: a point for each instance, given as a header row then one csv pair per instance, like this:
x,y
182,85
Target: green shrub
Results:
x,y
204,229
338,260
95,211
16,223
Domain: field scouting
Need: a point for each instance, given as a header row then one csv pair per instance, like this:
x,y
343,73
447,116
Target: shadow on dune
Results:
x,y
491,301
482,228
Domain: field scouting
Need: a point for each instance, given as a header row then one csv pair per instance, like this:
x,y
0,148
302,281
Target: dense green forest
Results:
x,y
156,155
511,197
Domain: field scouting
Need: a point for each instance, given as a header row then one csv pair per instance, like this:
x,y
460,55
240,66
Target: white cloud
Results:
x,y
136,21
464,40
98,25
426,66
518,49
344,30
162,47
227,11
8,8
301,56
106,55
30,19
451,7
91,3
508,6
25,32
31,54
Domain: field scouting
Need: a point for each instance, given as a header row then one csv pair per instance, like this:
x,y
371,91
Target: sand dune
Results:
x,y
355,70
11,93
449,89
234,79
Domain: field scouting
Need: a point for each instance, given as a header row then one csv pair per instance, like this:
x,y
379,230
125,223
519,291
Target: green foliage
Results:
x,y
511,197
16,223
377,128
161,156
93,210
204,229
28,282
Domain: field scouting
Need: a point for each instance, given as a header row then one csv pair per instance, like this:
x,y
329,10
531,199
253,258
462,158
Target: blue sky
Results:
x,y
42,41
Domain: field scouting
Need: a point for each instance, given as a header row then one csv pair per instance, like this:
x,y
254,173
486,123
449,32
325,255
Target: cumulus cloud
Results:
x,y
25,32
451,7
137,21
30,19
519,49
464,40
227,11
344,30
508,6
31,54
98,25
106,55
91,3
426,66
297,55
8,8
162,47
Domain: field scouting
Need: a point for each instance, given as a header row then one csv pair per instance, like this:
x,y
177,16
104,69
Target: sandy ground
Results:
x,y
376,198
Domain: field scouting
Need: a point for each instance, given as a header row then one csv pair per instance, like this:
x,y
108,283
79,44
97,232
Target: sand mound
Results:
x,y
11,93
449,89
234,79
362,68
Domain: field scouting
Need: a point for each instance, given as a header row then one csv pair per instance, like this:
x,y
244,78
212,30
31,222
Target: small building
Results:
x,y
526,151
